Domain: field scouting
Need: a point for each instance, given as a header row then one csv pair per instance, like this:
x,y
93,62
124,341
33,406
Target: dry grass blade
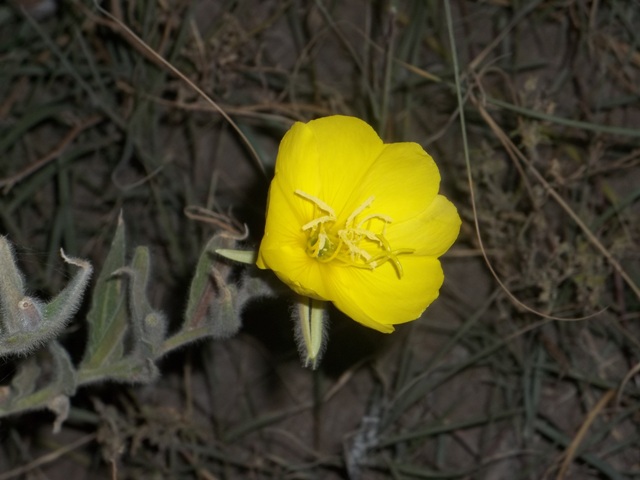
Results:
x,y
48,458
580,436
516,156
118,26
8,183
505,140
630,374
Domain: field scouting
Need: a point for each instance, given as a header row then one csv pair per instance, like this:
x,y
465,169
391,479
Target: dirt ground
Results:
x,y
526,367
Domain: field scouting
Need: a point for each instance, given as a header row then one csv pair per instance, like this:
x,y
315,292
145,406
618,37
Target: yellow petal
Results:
x,y
284,221
283,246
379,299
431,233
347,147
301,273
404,180
298,163
325,158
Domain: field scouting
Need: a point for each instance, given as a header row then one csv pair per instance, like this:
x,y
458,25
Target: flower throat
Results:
x,y
355,244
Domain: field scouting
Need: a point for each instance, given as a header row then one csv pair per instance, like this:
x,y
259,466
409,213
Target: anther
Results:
x,y
319,203
356,244
317,221
358,211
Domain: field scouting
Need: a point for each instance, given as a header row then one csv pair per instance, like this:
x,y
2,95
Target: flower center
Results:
x,y
359,241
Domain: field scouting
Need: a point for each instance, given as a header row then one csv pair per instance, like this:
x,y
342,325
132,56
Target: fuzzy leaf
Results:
x,y
211,301
202,292
107,317
211,308
28,322
155,330
223,317
24,382
133,370
148,326
253,287
64,380
11,289
63,384
66,303
60,406
139,303
200,289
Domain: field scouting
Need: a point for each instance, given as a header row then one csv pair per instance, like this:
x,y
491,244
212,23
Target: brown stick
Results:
x,y
7,183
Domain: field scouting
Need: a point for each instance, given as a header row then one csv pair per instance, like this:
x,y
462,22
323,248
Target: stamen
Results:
x,y
379,216
358,211
319,203
355,245
354,250
317,221
374,237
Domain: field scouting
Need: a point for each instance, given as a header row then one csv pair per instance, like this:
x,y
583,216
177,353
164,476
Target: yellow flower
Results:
x,y
357,222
